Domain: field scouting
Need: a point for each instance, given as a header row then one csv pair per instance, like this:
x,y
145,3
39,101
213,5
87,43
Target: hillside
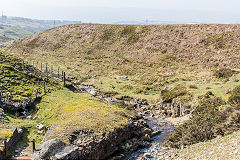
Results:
x,y
30,98
153,57
180,70
19,80
220,148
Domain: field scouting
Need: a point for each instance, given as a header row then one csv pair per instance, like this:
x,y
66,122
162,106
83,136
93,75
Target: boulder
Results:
x,y
147,131
40,126
48,149
69,153
147,138
147,155
122,77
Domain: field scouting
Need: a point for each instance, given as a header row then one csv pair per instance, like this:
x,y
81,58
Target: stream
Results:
x,y
155,149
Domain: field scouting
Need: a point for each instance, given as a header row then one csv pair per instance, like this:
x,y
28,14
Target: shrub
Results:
x,y
208,120
224,73
169,95
128,30
193,86
200,127
107,34
235,97
133,38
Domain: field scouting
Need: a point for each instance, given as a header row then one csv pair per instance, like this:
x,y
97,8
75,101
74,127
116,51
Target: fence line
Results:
x,y
49,72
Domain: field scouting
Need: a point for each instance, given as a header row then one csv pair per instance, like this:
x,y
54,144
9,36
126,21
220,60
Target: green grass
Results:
x,y
21,80
68,112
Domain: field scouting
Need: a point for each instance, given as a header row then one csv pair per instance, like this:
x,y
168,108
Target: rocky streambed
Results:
x,y
156,129
155,149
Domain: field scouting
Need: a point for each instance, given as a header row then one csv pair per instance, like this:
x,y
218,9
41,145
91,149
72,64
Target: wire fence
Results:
x,y
6,97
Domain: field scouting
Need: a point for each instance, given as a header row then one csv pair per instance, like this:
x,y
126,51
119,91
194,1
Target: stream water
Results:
x,y
155,147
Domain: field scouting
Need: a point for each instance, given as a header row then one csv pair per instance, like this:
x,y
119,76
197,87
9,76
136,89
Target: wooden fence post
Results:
x,y
52,71
33,146
5,149
46,68
36,93
64,78
23,65
44,86
62,75
58,72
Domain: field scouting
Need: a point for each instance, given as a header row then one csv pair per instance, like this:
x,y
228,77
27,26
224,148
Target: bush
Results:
x,y
107,34
235,97
193,86
128,30
201,126
208,121
169,95
224,73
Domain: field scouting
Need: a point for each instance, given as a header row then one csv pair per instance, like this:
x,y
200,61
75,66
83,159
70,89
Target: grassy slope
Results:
x,y
21,82
64,110
153,57
68,112
227,147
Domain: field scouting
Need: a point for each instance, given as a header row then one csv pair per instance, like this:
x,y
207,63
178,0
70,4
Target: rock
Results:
x,y
82,87
55,149
122,77
91,91
147,155
40,126
49,149
29,117
128,146
40,132
147,131
155,133
169,73
146,137
69,153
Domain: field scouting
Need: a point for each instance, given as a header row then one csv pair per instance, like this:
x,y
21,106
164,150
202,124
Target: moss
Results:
x,y
5,133
69,112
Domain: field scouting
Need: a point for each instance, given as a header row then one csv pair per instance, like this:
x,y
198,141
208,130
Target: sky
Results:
x,y
109,11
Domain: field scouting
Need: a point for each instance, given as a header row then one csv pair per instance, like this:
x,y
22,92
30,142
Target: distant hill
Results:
x,y
12,28
8,32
